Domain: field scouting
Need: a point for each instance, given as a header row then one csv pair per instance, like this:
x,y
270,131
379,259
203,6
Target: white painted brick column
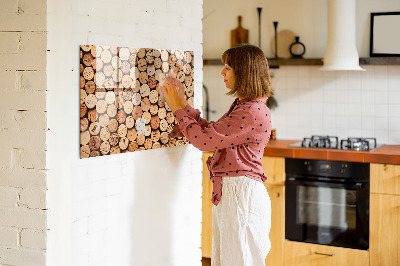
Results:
x,y
23,132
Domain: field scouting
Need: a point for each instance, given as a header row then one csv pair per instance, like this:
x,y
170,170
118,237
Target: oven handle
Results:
x,y
357,185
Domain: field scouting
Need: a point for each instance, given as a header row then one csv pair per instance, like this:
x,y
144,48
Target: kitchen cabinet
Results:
x,y
274,168
385,215
305,254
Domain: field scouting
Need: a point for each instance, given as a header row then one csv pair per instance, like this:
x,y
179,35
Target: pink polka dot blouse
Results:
x,y
238,139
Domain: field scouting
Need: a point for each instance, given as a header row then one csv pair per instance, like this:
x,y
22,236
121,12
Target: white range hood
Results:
x,y
341,51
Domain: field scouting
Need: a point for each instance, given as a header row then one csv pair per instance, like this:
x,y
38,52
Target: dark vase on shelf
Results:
x,y
297,49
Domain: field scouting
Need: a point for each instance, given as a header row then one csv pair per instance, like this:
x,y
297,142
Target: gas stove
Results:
x,y
332,142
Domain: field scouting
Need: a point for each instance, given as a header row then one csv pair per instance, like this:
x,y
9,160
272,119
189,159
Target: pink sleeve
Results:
x,y
193,113
232,130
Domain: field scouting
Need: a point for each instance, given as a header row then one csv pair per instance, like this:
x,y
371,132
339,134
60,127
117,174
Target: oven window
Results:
x,y
326,207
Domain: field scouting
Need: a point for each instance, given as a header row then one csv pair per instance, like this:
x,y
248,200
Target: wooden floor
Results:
x,y
206,261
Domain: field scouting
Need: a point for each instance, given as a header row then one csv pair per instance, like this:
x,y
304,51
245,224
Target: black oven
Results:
x,y
327,202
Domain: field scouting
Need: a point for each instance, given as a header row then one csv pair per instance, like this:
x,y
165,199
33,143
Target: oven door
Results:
x,y
327,213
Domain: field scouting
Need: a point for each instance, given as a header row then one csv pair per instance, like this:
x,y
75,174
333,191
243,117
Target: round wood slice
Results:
x,y
140,139
137,112
87,59
84,124
143,77
105,134
114,139
148,144
163,124
123,143
155,122
115,150
94,143
153,97
124,53
133,146
130,122
121,116
94,153
154,109
90,87
101,106
86,48
164,138
127,82
112,110
128,106
85,151
147,116
88,73
113,125
85,137
100,79
105,147
94,128
132,134
156,145
92,115
82,82
83,110
155,135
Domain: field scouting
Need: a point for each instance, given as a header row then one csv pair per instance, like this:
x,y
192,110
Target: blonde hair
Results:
x,y
250,66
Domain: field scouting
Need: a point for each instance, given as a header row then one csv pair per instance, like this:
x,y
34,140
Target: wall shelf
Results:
x,y
274,63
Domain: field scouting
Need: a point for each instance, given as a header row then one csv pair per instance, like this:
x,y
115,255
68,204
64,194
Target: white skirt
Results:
x,y
241,223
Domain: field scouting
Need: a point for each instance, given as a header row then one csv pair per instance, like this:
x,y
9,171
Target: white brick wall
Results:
x,y
23,132
140,208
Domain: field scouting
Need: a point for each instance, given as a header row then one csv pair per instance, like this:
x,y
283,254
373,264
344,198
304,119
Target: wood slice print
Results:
x,y
120,92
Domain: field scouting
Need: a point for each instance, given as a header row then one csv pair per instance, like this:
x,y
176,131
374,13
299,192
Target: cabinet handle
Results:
x,y
324,254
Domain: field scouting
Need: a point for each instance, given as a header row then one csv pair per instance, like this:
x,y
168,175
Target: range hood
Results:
x,y
341,51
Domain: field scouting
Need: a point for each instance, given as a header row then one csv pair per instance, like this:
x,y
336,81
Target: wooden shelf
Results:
x,y
274,63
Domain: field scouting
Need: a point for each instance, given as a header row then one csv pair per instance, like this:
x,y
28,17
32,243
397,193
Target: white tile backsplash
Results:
x,y
342,103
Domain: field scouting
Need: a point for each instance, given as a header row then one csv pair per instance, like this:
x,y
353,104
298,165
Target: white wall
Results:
x,y
140,208
311,102
23,133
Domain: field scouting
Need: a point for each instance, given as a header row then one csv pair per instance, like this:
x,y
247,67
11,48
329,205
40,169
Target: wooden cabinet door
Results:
x,y
385,178
384,237
274,168
206,226
304,254
277,233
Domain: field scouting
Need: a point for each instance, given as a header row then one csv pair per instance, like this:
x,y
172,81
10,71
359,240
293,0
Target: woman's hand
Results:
x,y
174,94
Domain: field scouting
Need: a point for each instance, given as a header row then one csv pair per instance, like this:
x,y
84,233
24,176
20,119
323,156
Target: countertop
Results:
x,y
388,154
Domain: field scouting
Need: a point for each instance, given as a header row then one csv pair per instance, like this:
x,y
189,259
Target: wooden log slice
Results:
x,y
124,53
127,82
156,145
110,97
87,59
180,142
164,138
99,65
141,53
165,67
145,104
100,93
84,124
147,117
188,81
154,109
100,79
83,95
130,122
86,48
187,57
113,125
149,58
114,139
140,139
143,77
112,110
132,134
85,137
179,54
187,68
133,146
189,91
92,115
163,124
83,110
159,74
114,50
105,147
94,128
105,134
104,119
151,70
148,144
144,90
93,50
90,87
94,143
157,63
164,55
180,76
147,131
170,118
117,76
88,73
128,106
155,122
132,59
85,151
152,82
121,116
191,101
155,135
142,65
122,130
179,65
106,56
153,97
108,70
162,113
82,82
123,143
172,60
160,102
115,150
101,106
172,142
94,153
137,112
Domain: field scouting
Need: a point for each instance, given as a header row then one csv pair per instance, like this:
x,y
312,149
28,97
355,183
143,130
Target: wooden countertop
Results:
x,y
389,154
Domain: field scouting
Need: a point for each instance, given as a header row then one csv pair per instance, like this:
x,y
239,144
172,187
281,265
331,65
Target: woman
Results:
x,y
242,211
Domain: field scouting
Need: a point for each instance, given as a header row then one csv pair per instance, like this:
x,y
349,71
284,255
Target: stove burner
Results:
x,y
358,144
328,142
